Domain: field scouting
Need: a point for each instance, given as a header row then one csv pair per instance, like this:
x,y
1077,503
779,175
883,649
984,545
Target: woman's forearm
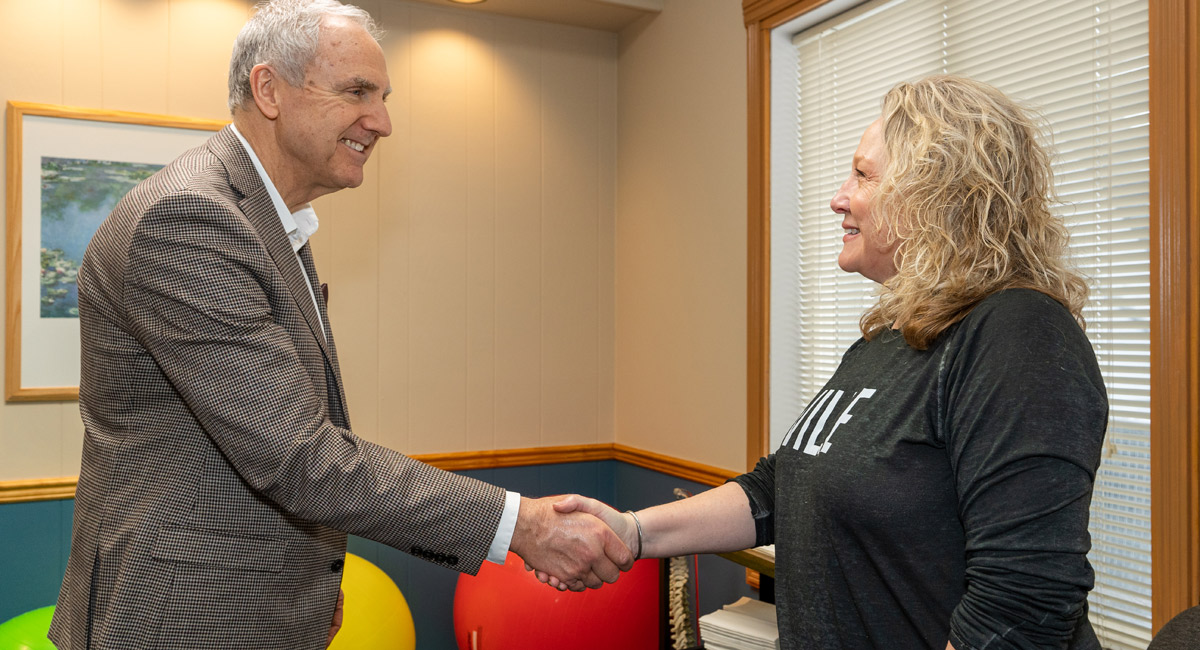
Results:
x,y
713,521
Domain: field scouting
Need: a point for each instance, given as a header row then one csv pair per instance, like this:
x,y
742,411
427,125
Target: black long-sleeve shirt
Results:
x,y
935,495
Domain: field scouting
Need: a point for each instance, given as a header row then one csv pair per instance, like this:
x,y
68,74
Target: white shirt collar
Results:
x,y
299,225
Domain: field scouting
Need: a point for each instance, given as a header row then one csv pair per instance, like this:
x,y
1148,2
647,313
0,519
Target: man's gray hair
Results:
x,y
284,34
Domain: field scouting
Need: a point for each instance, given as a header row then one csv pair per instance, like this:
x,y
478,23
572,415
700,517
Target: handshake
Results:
x,y
573,542
576,543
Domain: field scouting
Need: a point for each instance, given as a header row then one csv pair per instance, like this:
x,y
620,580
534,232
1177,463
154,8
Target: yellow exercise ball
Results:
x,y
375,614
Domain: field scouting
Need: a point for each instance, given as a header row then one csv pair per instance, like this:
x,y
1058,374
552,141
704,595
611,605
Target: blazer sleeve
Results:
x,y
205,299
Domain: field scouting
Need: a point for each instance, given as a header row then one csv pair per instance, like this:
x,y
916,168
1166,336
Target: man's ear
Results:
x,y
264,84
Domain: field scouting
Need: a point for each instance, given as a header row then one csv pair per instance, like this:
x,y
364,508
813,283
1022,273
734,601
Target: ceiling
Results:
x,y
607,15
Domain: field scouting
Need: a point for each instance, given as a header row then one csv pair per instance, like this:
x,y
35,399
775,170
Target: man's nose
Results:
x,y
378,121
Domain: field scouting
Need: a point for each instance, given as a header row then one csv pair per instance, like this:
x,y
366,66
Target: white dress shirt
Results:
x,y
299,226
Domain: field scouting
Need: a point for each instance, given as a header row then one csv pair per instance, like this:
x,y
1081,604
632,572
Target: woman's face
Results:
x,y
867,248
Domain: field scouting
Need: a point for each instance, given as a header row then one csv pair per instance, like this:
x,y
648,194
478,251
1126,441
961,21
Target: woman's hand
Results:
x,y
622,523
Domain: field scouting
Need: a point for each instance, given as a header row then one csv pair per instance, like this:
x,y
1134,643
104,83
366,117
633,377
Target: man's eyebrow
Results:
x,y
364,83
368,85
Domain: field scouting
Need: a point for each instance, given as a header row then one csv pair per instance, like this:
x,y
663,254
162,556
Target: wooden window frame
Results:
x,y
1174,282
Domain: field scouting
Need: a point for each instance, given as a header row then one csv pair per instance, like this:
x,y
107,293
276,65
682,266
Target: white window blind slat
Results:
x,y
1083,64
1006,60
1010,12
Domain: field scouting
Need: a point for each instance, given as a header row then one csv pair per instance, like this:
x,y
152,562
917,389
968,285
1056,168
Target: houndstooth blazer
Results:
x,y
220,475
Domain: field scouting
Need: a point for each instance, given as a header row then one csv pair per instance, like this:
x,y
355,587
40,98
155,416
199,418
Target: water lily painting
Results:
x,y
77,194
68,167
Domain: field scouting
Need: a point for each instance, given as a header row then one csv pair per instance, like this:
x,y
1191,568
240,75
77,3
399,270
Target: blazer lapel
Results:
x,y
260,211
310,267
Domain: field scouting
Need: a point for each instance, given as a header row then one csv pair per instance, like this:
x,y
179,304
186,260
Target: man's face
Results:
x,y
328,126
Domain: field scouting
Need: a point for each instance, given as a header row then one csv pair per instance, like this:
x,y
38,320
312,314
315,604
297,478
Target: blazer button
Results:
x,y
336,566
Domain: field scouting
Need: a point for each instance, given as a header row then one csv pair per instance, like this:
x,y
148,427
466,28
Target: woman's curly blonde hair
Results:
x,y
967,191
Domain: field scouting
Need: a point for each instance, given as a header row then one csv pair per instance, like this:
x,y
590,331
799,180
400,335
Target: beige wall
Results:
x,y
471,277
476,311
681,234
153,57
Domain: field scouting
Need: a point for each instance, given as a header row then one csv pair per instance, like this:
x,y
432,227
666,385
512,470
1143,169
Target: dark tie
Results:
x,y
310,268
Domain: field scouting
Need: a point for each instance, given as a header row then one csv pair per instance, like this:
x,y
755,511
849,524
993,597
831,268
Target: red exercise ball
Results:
x,y
508,609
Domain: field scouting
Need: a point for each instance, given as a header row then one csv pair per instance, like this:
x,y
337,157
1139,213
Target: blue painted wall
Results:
x,y
34,541
35,538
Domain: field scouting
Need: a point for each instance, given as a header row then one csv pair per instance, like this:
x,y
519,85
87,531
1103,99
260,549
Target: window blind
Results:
x,y
1083,65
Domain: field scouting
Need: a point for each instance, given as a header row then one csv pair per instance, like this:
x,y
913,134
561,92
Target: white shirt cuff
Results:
x,y
508,522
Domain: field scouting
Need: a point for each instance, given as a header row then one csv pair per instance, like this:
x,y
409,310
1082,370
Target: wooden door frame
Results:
x,y
1174,284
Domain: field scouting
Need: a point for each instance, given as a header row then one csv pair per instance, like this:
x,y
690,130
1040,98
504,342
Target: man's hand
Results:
x,y
577,549
336,624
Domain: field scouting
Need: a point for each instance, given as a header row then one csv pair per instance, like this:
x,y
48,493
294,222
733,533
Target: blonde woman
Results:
x,y
935,493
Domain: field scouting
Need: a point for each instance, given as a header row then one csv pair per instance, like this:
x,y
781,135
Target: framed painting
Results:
x,y
67,168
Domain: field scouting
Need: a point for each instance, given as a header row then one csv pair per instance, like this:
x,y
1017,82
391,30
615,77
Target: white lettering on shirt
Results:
x,y
865,393
812,449
811,411
825,403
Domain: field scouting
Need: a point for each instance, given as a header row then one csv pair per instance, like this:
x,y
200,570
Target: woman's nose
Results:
x,y
840,202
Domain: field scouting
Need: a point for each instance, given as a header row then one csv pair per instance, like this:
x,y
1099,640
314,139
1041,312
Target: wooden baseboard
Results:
x,y
48,489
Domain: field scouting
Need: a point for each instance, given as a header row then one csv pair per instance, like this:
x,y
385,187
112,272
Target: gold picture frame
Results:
x,y
81,160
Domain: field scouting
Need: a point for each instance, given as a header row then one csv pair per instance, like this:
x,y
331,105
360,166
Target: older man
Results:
x,y
220,474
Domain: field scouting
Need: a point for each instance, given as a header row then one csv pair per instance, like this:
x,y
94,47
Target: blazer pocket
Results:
x,y
213,548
